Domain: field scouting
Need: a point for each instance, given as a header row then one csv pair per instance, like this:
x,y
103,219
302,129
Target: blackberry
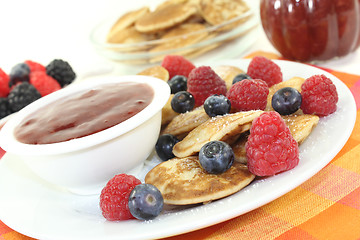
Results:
x,y
182,102
22,95
240,77
19,73
4,108
217,105
178,83
61,71
216,157
145,202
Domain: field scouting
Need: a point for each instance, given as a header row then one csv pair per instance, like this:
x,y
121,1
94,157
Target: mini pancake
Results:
x,y
294,82
223,128
165,3
130,36
165,17
227,73
300,125
125,21
183,181
180,37
239,148
185,122
167,113
217,12
156,71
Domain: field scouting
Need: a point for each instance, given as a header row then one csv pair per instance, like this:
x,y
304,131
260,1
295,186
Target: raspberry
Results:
x,y
248,94
264,69
61,71
319,96
34,66
177,65
44,83
204,82
114,197
271,148
4,84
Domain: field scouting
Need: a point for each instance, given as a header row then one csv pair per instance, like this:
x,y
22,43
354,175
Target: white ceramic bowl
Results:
x,y
85,164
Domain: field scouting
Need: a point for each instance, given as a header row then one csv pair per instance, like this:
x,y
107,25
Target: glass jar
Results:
x,y
312,30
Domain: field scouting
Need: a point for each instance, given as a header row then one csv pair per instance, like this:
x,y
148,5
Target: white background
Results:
x,y
42,30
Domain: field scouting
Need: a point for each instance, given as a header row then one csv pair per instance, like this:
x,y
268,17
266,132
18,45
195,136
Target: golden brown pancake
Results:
x,y
216,12
156,71
131,36
165,17
183,181
239,149
227,73
115,34
178,38
186,122
223,128
167,113
294,82
165,3
300,125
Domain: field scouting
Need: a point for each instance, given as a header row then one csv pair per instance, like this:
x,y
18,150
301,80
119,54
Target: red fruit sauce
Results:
x,y
310,30
84,113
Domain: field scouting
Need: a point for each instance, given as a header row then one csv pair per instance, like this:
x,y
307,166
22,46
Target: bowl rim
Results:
x,y
102,44
9,143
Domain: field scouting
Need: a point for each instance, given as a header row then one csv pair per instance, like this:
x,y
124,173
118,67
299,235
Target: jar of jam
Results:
x,y
312,30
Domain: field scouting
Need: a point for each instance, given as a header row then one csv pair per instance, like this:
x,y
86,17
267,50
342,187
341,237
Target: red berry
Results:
x,y
34,66
4,84
262,68
177,65
43,83
204,82
248,94
319,96
114,197
271,148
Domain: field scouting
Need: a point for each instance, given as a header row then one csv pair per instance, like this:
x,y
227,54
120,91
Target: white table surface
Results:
x,y
42,30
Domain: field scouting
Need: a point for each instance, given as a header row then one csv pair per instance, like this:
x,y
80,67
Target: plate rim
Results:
x,y
228,216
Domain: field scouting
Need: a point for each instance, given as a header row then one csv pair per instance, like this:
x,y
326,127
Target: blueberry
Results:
x,y
217,105
178,83
216,157
182,102
240,77
286,101
145,202
19,73
164,146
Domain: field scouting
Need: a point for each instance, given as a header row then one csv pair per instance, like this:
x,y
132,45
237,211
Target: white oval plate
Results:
x,y
37,209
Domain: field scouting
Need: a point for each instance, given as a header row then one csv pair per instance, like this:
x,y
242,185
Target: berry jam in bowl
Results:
x,y
79,137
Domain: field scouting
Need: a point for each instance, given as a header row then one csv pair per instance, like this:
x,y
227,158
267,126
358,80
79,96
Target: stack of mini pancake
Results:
x,y
177,24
